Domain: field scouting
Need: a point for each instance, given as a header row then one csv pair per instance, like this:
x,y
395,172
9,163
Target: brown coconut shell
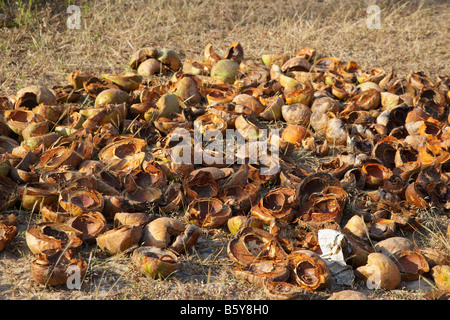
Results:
x,y
250,245
119,239
53,267
208,213
154,262
379,272
262,271
7,234
52,235
280,203
308,270
91,225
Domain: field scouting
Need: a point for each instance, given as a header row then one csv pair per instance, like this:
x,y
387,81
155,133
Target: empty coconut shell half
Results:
x,y
315,183
208,213
411,264
19,120
81,200
278,290
161,232
381,229
54,267
250,245
186,240
322,208
57,157
154,262
357,235
258,272
200,185
30,97
124,155
38,193
119,239
140,199
91,225
308,270
52,235
54,213
280,203
132,219
115,204
241,197
375,174
172,199
7,234
237,223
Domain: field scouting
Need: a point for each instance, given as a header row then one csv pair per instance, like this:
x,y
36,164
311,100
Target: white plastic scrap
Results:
x,y
330,242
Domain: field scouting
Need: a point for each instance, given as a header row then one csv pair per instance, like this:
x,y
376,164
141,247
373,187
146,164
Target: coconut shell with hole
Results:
x,y
259,272
91,225
158,233
208,213
250,245
309,270
53,268
154,262
52,235
277,290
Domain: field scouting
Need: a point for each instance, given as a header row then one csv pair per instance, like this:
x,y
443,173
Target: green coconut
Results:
x,y
278,59
194,67
188,91
111,96
225,70
149,68
170,58
168,104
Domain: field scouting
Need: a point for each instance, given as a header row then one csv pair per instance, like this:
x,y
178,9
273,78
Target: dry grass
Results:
x,y
42,50
413,35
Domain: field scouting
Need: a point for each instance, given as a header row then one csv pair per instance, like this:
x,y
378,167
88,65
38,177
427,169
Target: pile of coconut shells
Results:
x,y
93,159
